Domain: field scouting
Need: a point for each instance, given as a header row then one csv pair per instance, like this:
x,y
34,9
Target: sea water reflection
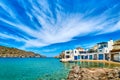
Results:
x,y
85,64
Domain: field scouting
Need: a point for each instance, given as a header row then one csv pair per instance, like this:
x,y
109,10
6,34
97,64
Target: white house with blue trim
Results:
x,y
103,53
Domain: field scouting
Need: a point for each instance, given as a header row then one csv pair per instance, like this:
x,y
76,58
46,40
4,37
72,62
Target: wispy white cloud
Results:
x,y
63,28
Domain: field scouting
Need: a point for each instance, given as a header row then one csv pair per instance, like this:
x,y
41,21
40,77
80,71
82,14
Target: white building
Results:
x,y
103,50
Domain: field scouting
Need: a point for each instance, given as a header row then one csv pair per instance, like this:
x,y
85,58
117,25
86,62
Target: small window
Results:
x,y
67,52
100,50
67,56
75,51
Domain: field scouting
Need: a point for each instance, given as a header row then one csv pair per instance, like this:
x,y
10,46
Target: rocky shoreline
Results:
x,y
78,73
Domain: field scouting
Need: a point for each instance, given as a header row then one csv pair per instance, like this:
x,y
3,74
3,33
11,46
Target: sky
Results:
x,y
48,27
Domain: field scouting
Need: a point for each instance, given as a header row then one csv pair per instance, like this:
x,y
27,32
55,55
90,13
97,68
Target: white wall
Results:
x,y
116,57
110,45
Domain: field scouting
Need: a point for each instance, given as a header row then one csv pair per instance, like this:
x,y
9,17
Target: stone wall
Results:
x,y
78,73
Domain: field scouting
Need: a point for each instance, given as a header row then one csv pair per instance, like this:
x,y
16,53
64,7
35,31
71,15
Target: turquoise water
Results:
x,y
32,69
40,68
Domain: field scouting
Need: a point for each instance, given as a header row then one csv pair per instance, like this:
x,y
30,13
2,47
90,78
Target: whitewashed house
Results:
x,y
102,53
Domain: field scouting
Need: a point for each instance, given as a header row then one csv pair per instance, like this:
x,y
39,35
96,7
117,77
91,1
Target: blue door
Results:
x,y
90,57
78,56
86,57
101,56
82,57
75,57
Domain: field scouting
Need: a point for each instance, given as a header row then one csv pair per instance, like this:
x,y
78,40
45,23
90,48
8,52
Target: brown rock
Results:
x,y
93,74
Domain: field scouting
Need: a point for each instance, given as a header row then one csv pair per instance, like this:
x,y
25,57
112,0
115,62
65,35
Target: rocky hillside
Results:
x,y
14,52
61,55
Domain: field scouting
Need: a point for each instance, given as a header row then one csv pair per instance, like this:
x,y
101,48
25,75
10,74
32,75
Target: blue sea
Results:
x,y
40,68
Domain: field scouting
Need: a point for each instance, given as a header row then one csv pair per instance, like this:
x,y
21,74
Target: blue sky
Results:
x,y
51,26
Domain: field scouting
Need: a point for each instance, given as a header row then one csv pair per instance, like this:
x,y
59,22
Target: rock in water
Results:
x,y
94,74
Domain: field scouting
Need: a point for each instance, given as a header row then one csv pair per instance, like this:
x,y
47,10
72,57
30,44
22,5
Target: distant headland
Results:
x,y
6,52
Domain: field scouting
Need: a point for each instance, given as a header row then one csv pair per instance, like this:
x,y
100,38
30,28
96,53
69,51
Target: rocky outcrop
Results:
x,y
61,55
78,73
14,52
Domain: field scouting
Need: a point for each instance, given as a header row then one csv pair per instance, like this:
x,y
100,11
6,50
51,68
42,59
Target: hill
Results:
x,y
14,52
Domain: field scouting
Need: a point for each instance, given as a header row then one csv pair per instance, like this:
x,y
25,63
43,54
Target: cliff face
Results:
x,y
14,52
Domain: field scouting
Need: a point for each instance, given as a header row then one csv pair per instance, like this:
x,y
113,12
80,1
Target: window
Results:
x,y
67,52
67,56
100,50
75,51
